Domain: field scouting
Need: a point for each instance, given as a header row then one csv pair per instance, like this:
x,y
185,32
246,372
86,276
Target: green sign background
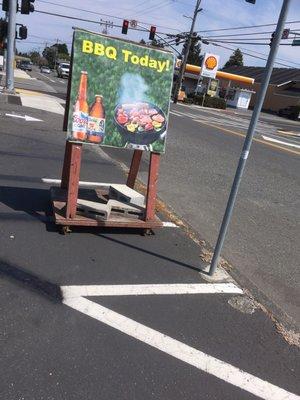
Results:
x,y
119,81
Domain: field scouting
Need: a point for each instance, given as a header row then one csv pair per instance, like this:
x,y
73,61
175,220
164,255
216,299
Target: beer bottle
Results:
x,y
81,109
96,121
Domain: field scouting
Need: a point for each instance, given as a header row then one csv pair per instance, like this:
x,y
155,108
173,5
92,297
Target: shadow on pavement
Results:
x,y
32,201
151,253
33,282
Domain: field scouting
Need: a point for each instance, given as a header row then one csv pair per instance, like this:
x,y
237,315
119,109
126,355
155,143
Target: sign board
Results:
x,y
212,87
119,94
210,65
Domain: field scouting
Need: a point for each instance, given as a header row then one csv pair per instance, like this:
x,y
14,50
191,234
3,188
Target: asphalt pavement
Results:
x,y
78,322
262,245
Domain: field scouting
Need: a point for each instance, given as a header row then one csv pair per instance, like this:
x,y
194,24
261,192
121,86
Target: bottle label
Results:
x,y
79,122
96,126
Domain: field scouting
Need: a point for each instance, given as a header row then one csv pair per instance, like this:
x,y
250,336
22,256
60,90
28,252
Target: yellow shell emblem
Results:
x,y
211,62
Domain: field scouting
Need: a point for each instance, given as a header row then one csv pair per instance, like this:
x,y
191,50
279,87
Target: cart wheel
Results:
x,y
65,229
147,232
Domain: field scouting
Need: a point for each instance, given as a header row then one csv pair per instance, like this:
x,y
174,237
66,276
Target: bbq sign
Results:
x,y
119,94
210,65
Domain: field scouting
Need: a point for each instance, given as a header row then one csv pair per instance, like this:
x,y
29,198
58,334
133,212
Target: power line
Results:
x,y
88,20
246,27
250,55
98,13
246,34
155,6
250,43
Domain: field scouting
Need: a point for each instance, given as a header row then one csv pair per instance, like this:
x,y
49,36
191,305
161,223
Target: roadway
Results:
x,y
196,174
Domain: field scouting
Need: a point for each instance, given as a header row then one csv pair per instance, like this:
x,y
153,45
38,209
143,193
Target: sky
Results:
x,y
169,16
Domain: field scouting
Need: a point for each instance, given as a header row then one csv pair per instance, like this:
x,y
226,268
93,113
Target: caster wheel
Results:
x,y
64,230
148,232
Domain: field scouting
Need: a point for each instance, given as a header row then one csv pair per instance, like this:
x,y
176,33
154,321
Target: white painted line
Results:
x,y
156,289
281,142
181,351
170,225
177,113
26,117
44,76
81,183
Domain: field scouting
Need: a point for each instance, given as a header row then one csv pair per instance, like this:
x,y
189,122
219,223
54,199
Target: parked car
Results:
x,y
45,70
63,70
292,112
25,66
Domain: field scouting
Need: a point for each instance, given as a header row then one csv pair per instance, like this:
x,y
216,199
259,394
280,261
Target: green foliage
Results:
x,y
56,52
35,57
236,59
104,77
194,56
156,43
49,54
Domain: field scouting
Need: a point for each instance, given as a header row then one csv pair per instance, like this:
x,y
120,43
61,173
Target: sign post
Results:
x,y
249,136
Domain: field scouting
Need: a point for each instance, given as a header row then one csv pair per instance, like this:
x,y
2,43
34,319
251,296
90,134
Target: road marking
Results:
x,y
46,77
179,350
26,117
281,141
288,133
275,146
81,183
156,289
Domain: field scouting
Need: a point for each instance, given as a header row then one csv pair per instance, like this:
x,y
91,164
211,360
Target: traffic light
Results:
x,y
23,32
125,26
5,5
152,33
285,34
271,39
27,7
3,29
177,40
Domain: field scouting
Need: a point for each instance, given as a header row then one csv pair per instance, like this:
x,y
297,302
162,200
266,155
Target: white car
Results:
x,y
45,70
63,70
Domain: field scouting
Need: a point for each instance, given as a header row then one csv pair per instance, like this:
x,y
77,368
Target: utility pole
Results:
x,y
249,136
186,54
12,13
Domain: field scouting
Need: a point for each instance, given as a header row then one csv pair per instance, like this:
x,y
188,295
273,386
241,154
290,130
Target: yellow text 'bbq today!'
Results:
x,y
98,49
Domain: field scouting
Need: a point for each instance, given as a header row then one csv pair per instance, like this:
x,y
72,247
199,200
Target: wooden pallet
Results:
x,y
64,199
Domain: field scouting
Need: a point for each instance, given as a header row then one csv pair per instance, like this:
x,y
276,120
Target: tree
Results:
x,y
156,43
194,56
35,57
142,41
49,53
236,59
58,51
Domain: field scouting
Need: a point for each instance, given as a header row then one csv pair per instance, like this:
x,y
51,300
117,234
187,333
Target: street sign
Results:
x,y
210,65
120,93
296,42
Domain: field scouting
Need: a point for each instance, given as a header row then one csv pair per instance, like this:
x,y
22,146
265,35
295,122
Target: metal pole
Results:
x,y
5,51
10,87
249,136
187,49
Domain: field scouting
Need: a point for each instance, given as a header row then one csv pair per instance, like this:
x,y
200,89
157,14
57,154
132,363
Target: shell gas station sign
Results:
x,y
210,65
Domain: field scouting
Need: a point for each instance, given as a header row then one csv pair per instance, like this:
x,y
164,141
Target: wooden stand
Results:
x,y
64,198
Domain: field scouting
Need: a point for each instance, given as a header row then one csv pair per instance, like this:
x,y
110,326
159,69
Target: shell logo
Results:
x,y
211,62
